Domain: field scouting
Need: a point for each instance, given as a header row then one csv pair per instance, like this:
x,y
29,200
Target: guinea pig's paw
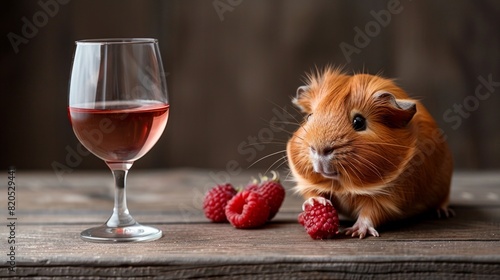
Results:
x,y
445,212
361,228
318,199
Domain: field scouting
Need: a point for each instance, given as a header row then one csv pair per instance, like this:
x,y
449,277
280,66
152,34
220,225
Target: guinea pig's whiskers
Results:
x,y
355,172
304,142
345,173
368,164
363,190
294,140
386,144
288,123
278,142
283,160
289,177
389,161
282,129
374,152
283,109
266,156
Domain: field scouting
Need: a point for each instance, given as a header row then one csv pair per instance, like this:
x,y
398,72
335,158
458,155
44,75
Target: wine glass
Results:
x,y
118,108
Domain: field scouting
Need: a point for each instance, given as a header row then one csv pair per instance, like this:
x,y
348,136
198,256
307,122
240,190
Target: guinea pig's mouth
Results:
x,y
330,175
325,169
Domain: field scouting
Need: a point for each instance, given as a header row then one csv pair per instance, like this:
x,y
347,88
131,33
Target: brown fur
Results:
x,y
398,167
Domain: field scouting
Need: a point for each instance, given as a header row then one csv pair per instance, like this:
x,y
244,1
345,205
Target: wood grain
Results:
x,y
52,213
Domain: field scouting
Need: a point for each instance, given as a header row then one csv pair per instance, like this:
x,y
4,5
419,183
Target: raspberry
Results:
x,y
248,209
253,185
301,218
274,193
216,200
319,218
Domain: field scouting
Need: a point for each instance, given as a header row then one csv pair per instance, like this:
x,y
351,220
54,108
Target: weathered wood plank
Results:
x,y
183,190
469,224
51,214
61,242
279,249
276,270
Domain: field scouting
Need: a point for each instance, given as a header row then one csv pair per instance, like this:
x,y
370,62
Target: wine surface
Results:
x,y
119,131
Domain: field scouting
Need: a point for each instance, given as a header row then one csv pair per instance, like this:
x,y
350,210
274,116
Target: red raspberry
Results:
x,y
319,218
274,193
215,202
253,185
247,209
301,218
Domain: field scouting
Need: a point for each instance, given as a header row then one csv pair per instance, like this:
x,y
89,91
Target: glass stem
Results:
x,y
121,216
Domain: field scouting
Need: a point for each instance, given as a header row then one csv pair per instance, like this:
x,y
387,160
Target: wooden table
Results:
x,y
51,213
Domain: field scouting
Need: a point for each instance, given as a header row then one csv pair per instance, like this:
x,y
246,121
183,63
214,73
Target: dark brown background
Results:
x,y
230,72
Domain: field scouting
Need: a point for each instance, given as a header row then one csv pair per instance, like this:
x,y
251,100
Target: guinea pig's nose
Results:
x,y
323,151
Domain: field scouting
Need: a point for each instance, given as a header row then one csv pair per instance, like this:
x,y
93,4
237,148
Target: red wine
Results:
x,y
120,130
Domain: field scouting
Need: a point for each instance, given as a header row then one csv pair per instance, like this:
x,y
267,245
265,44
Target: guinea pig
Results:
x,y
374,152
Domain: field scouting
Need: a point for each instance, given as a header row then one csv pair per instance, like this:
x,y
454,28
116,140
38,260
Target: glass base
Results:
x,y
132,233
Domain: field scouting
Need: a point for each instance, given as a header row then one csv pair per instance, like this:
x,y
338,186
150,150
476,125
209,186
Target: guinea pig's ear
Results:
x,y
395,112
302,99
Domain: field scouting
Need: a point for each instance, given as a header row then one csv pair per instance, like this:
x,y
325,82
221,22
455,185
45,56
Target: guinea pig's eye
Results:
x,y
359,123
308,116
